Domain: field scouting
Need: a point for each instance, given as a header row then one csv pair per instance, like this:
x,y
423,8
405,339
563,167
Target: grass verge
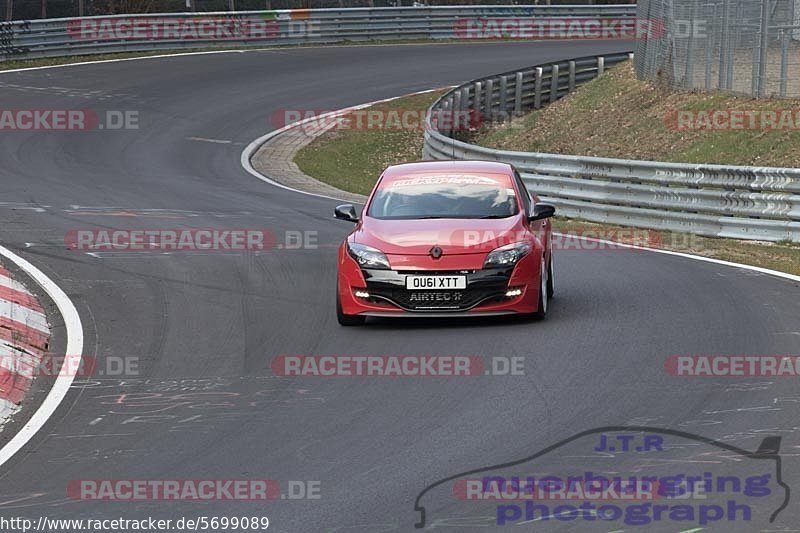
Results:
x,y
619,116
352,160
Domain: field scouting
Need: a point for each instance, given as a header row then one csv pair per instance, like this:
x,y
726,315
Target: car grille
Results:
x,y
436,300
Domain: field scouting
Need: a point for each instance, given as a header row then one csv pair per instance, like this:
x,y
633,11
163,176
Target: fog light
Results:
x,y
513,292
362,294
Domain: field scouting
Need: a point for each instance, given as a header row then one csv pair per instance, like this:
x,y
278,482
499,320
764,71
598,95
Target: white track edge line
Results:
x,y
760,270
251,149
74,349
117,60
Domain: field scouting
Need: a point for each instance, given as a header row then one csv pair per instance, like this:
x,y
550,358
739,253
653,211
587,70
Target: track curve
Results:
x,y
206,326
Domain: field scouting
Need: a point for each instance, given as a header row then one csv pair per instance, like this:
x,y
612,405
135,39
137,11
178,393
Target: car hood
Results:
x,y
453,236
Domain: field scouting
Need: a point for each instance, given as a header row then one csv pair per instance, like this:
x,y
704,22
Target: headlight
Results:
x,y
367,256
507,255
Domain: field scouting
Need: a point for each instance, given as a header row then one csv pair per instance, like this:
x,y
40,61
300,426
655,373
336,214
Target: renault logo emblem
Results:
x,y
436,252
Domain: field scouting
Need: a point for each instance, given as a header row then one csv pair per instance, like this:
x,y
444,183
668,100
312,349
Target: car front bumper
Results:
x,y
485,294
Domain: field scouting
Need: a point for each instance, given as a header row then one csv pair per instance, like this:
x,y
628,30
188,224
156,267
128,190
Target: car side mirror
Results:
x,y
346,212
541,211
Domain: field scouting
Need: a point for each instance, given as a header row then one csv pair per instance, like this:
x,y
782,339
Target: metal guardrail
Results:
x,y
26,39
714,200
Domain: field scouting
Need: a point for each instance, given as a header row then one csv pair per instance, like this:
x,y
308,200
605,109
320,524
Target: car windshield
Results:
x,y
444,196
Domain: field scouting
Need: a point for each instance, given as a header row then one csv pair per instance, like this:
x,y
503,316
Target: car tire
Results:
x,y
551,288
347,320
541,312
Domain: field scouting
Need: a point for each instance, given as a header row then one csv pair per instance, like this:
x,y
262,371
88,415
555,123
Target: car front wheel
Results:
x,y
347,320
544,286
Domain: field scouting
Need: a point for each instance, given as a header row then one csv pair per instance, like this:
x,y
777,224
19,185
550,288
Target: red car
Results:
x,y
446,238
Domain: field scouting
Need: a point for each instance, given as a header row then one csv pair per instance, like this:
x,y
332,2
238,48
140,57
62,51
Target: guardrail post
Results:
x,y
601,66
464,110
452,106
518,94
454,113
571,76
489,97
554,83
503,93
434,115
476,100
465,98
428,23
537,83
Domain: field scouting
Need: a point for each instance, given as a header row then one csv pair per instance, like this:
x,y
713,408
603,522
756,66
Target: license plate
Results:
x,y
435,282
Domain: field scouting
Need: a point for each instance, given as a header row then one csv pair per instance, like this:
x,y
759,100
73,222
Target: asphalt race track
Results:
x,y
205,327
